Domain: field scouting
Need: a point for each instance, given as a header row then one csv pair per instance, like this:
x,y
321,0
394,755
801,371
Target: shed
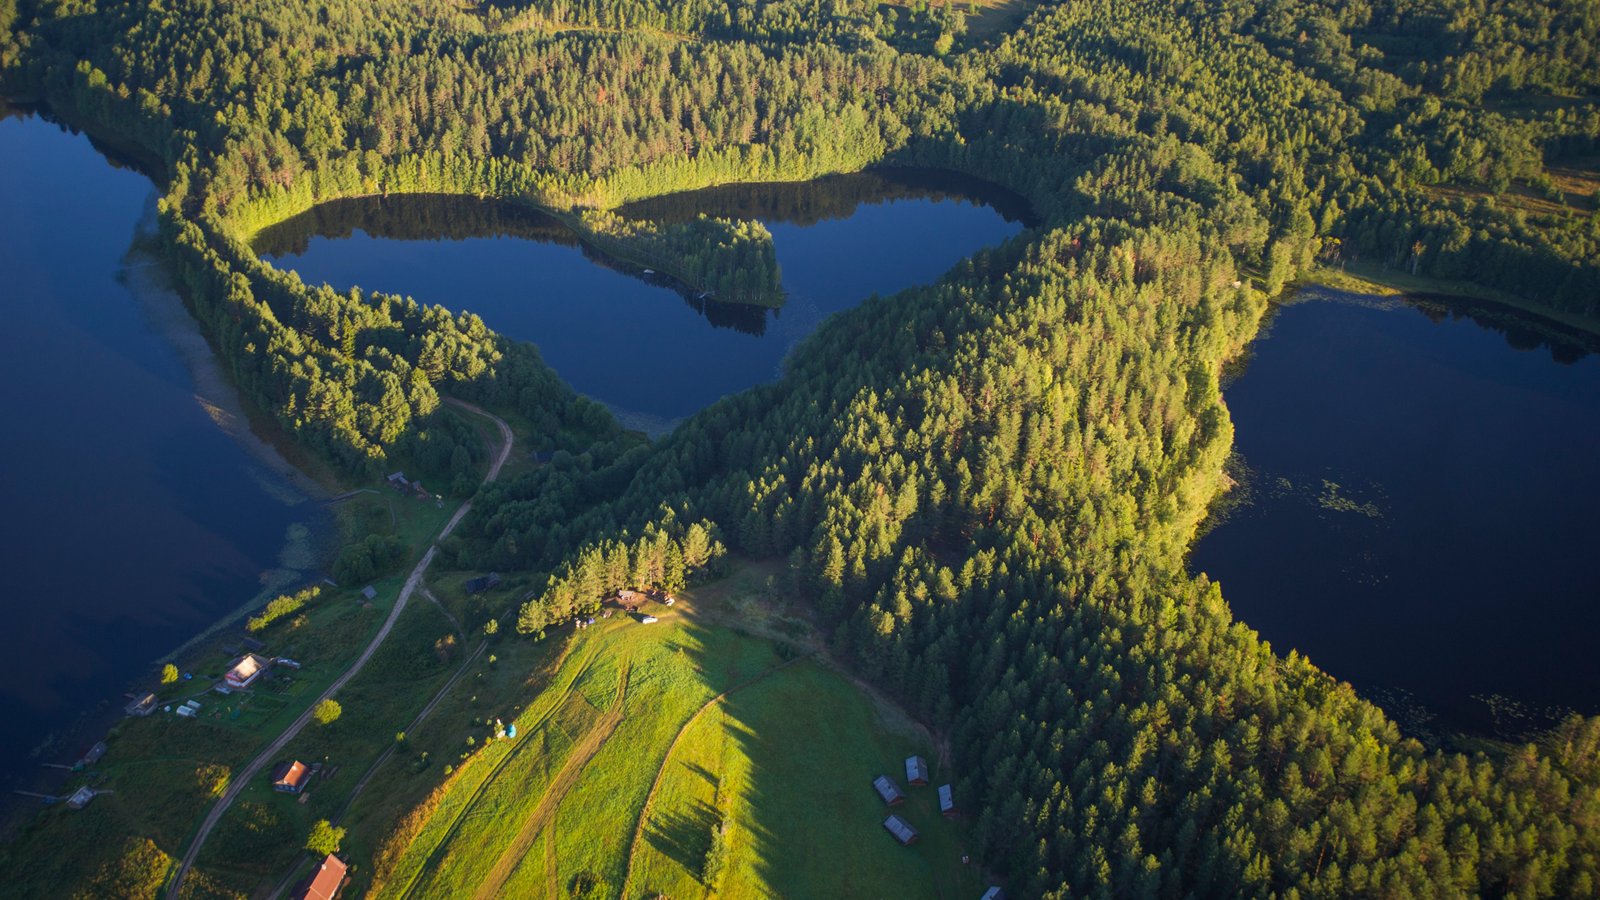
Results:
x,y
290,777
186,711
324,883
92,755
947,801
647,619
141,706
80,798
245,670
993,893
369,592
398,479
482,583
901,829
251,643
916,771
888,790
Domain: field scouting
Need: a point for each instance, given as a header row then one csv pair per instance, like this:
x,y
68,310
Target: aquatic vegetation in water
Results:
x,y
1332,499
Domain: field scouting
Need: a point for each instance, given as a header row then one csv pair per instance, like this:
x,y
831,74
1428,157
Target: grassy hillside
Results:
x,y
646,738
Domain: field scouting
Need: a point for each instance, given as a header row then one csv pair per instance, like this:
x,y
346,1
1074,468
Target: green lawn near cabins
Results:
x,y
637,739
785,766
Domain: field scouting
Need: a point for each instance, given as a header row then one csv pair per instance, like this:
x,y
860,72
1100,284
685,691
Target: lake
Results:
x,y
135,515
1417,507
630,340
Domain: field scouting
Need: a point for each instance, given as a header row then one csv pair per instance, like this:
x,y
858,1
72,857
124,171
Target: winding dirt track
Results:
x,y
267,755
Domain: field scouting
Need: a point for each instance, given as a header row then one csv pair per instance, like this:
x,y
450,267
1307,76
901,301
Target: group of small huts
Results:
x,y
401,483
890,793
905,832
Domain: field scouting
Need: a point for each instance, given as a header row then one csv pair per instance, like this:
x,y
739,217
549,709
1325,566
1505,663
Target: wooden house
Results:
x,y
291,777
245,670
324,884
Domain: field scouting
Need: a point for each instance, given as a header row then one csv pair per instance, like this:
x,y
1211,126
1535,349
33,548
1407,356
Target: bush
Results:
x,y
324,838
327,711
281,606
368,558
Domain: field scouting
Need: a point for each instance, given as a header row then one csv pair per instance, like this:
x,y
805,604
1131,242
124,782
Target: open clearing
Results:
x,y
643,739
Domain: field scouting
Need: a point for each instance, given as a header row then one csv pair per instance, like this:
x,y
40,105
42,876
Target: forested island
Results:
x,y
968,503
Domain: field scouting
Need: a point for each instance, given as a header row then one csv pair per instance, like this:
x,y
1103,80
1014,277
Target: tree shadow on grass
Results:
x,y
684,837
711,778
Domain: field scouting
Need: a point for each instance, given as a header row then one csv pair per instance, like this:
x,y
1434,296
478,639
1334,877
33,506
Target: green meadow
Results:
x,y
646,744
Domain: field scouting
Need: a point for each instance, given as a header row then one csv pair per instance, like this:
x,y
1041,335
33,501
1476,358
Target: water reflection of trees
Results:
x,y
411,217
1521,330
425,217
831,197
418,217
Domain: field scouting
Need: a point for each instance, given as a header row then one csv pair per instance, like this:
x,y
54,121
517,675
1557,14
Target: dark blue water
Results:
x,y
630,343
132,521
1421,515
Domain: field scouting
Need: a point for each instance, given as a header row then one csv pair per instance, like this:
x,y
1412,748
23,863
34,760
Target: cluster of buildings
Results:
x,y
905,832
242,673
401,483
890,793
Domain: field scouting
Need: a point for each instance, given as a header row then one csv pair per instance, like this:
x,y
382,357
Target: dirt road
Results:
x,y
266,756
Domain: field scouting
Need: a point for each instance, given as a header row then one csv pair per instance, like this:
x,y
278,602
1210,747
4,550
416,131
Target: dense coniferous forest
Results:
x,y
988,485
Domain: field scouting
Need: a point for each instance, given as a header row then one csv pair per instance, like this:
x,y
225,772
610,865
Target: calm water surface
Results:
x,y
133,521
633,342
1420,512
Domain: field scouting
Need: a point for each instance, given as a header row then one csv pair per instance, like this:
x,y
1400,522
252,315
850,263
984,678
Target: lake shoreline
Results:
x,y
301,559
1338,458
